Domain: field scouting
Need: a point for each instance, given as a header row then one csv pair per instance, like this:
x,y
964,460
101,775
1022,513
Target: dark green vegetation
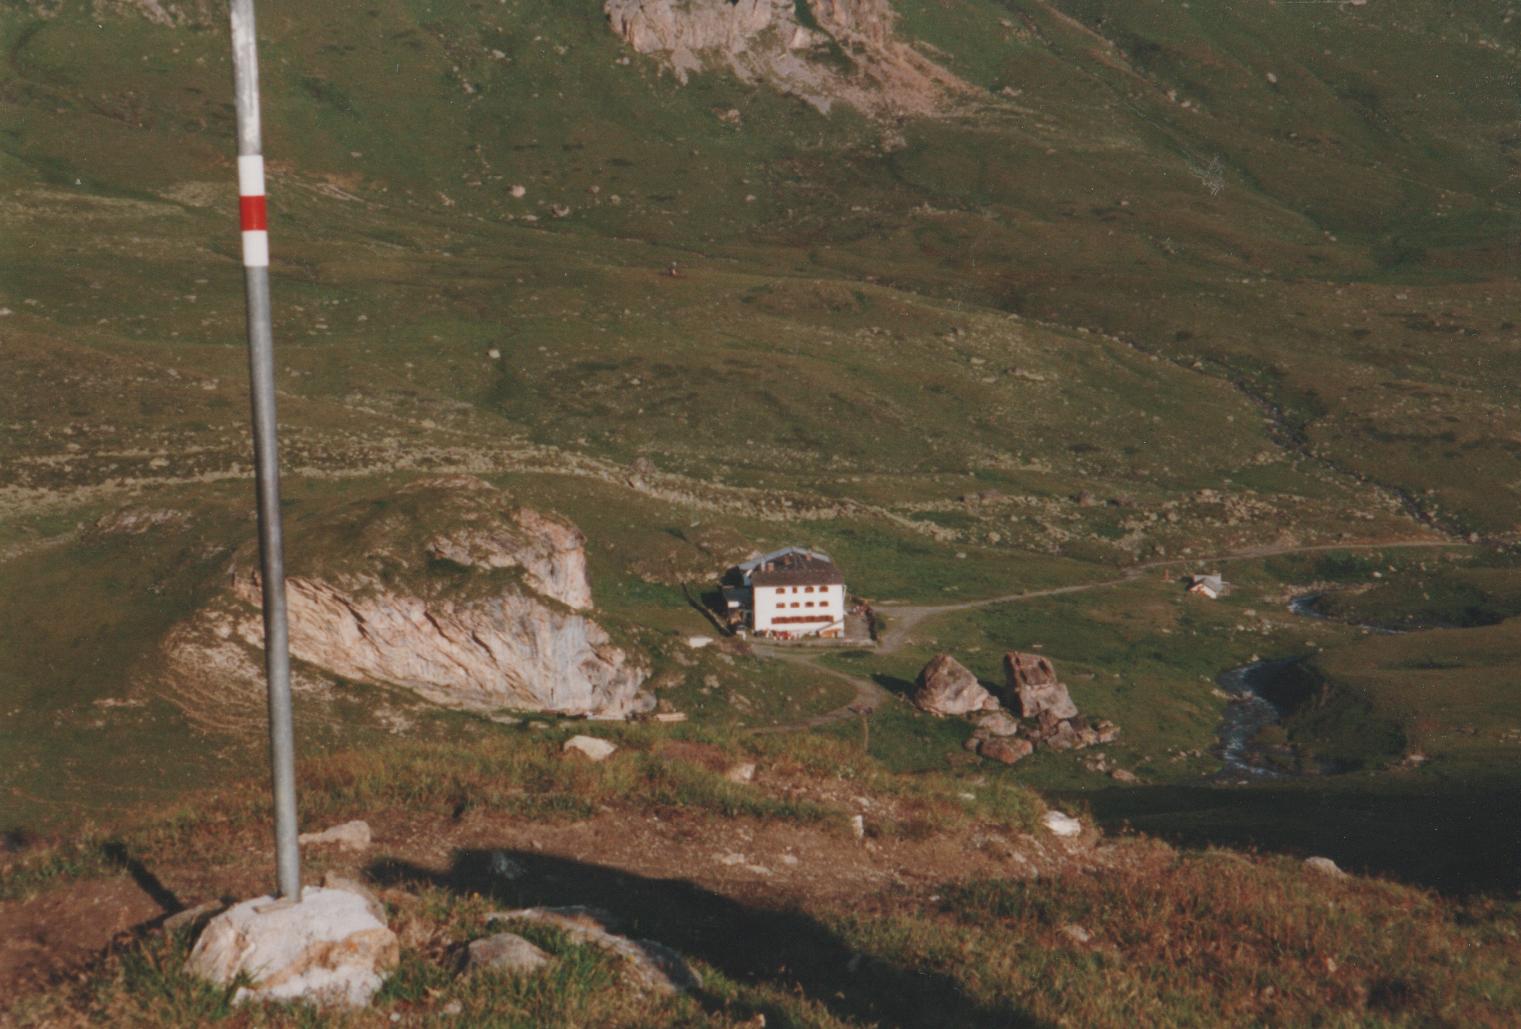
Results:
x,y
1167,284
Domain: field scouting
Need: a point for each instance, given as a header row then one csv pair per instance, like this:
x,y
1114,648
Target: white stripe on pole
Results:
x,y
256,249
251,175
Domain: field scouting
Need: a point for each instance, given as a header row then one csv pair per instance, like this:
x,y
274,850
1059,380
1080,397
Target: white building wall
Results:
x,y
773,602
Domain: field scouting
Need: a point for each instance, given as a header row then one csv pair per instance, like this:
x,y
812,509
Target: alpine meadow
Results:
x,y
870,513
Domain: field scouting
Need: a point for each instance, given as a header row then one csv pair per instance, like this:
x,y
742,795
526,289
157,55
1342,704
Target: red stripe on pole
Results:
x,y
254,213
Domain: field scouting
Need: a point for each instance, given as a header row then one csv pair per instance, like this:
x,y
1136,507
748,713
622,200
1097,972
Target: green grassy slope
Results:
x,y
1168,282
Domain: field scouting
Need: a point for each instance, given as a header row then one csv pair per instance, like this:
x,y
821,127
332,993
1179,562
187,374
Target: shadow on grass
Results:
x,y
1458,837
784,949
891,683
707,603
117,856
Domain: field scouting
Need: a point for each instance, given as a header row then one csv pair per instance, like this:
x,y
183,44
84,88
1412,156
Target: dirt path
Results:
x,y
868,696
905,618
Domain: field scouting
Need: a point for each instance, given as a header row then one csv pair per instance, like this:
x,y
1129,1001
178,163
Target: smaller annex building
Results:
x,y
791,592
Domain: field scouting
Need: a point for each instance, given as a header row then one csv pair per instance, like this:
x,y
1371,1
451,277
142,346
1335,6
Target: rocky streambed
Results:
x,y
1246,716
1263,693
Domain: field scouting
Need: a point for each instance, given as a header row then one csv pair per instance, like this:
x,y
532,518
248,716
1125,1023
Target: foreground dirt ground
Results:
x,y
664,869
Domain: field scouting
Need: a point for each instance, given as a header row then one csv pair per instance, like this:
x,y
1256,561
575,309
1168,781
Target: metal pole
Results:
x,y
261,363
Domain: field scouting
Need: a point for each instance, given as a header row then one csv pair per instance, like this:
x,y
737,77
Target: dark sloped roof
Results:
x,y
797,569
775,555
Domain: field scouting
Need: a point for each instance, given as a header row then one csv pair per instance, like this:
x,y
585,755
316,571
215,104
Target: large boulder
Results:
x,y
329,948
1031,680
946,687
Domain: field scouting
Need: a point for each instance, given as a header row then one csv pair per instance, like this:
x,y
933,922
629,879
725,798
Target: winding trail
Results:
x,y
905,618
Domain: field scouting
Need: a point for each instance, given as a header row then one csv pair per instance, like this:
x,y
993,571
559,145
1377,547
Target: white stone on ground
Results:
x,y
353,835
1060,824
742,772
1324,866
594,748
327,949
698,642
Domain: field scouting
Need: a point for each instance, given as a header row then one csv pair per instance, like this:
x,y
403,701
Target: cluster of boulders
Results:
x,y
1040,712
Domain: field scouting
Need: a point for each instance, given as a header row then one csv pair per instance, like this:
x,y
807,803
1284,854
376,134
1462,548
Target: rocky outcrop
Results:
x,y
945,687
510,650
501,625
820,50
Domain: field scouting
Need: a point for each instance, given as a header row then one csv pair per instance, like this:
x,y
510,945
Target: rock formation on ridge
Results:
x,y
819,50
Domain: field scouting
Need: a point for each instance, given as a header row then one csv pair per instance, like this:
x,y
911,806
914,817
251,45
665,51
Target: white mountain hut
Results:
x,y
790,593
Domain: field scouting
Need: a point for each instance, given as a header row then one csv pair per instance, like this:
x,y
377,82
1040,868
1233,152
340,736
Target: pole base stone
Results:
x,y
329,949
